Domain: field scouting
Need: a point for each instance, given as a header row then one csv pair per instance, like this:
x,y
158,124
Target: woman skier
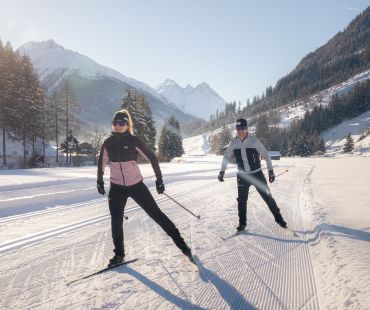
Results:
x,y
121,148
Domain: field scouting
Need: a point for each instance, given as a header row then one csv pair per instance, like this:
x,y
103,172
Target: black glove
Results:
x,y
271,176
160,186
221,176
100,186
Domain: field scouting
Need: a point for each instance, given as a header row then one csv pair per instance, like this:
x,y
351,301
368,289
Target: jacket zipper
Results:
x,y
123,177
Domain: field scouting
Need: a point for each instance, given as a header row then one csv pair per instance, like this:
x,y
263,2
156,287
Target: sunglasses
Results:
x,y
240,127
120,123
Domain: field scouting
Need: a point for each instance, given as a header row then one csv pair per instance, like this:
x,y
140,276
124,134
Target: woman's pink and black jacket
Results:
x,y
121,149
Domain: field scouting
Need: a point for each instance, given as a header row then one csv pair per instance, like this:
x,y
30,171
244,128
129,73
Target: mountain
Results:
x,y
343,56
97,89
201,100
334,137
339,64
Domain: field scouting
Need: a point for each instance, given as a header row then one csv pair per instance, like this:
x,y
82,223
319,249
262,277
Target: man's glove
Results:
x,y
160,186
100,186
271,176
221,176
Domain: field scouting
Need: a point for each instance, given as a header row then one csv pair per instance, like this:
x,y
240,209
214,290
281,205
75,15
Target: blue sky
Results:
x,y
237,47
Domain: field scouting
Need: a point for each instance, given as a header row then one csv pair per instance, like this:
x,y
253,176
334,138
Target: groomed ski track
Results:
x,y
266,268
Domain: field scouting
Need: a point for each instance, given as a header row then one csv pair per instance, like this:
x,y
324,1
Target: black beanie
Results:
x,y
241,122
120,116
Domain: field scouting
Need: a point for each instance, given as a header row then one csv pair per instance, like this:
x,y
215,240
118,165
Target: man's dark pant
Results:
x,y
259,181
118,196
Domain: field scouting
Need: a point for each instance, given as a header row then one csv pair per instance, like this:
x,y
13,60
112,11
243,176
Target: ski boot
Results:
x,y
240,228
187,252
115,260
282,223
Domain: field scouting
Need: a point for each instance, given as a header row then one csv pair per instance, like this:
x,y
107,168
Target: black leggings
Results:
x,y
259,181
139,192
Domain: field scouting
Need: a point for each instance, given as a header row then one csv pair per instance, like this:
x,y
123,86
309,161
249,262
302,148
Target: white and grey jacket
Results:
x,y
247,154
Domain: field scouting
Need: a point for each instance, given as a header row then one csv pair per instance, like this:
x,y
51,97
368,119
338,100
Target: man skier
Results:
x,y
247,150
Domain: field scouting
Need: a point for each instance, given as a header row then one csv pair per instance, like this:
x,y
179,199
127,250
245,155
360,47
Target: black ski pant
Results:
x,y
118,196
259,181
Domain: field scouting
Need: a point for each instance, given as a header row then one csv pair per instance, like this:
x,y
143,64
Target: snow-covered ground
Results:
x,y
297,110
335,137
55,228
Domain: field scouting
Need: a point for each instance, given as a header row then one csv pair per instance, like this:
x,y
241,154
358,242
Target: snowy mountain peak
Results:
x,y
201,101
203,85
189,87
50,58
168,83
49,44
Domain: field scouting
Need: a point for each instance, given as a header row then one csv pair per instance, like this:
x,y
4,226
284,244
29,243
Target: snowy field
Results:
x,y
55,228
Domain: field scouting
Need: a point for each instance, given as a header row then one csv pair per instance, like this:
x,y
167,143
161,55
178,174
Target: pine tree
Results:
x,y
129,102
2,99
68,108
223,140
322,147
170,140
56,111
349,144
163,144
263,131
8,96
148,126
141,114
28,106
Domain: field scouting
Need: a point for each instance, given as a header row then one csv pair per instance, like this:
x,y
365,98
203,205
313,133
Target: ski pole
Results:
x,y
197,216
281,173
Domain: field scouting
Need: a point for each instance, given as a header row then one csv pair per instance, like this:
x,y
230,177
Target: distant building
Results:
x,y
275,155
86,148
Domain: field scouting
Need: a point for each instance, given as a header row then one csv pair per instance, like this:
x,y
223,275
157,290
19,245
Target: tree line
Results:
x,y
34,117
302,137
231,112
27,113
21,100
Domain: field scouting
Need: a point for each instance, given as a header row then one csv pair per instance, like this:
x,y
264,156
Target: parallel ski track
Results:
x,y
52,233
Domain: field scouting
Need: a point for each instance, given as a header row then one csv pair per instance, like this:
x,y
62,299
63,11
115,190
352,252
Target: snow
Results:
x,y
55,228
335,137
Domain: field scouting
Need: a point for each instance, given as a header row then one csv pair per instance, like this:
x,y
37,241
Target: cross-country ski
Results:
x,y
105,269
